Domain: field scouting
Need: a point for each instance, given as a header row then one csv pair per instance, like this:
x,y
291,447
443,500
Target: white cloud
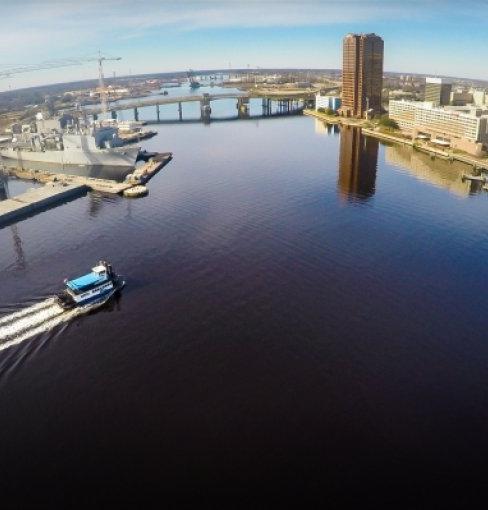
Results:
x,y
31,26
36,30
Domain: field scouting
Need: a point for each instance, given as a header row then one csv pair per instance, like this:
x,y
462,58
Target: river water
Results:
x,y
305,312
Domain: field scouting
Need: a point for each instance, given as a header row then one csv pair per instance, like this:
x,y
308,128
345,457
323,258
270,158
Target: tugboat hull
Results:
x,y
67,303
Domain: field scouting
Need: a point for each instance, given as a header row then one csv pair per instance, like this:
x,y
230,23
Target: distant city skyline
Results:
x,y
427,37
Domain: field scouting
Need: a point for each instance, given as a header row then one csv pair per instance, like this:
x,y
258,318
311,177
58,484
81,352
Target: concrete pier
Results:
x,y
35,200
140,175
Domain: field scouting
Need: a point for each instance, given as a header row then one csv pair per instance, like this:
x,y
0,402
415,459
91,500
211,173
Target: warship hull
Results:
x,y
123,159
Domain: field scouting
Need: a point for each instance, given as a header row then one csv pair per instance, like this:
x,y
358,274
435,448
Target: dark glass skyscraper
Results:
x,y
362,74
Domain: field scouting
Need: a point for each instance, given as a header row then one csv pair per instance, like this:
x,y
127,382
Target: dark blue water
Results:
x,y
305,314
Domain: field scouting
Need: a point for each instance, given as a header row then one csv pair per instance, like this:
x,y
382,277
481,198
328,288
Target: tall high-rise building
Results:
x,y
437,91
362,74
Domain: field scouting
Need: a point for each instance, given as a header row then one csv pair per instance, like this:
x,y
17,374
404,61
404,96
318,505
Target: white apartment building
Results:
x,y
464,128
480,97
326,102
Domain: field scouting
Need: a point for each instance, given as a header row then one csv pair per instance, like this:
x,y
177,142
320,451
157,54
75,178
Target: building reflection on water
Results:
x,y
16,239
438,172
358,160
323,128
3,186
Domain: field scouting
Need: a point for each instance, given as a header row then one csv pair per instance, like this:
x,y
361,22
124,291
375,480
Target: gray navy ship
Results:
x,y
68,145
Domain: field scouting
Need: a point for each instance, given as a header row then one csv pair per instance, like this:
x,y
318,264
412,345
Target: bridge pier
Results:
x,y
113,114
158,113
243,107
267,106
180,111
205,109
136,114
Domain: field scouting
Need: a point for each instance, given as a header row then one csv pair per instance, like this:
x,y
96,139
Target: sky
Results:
x,y
436,37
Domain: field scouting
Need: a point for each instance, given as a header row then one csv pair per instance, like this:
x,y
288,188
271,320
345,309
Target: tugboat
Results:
x,y
94,288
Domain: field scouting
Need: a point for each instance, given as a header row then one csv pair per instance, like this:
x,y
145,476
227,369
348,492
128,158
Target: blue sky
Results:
x,y
424,36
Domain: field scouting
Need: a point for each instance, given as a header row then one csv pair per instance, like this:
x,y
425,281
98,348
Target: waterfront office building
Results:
x,y
464,128
437,91
362,75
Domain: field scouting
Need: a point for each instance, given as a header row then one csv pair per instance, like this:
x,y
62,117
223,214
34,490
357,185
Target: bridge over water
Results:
x,y
284,101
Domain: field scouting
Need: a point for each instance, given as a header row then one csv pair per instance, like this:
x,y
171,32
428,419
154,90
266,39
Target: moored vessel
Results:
x,y
66,143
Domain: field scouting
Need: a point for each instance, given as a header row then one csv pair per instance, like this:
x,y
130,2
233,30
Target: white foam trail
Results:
x,y
37,319
25,322
26,311
42,327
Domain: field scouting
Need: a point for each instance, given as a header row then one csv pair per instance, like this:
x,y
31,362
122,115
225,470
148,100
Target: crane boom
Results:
x,y
6,71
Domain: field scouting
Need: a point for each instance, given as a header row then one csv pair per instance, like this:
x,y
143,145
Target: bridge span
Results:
x,y
161,100
286,101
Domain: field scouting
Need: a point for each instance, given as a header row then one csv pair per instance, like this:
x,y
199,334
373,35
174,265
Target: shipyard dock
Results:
x,y
36,200
140,175
60,188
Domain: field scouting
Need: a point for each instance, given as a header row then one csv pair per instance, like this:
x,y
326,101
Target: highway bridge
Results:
x,y
285,100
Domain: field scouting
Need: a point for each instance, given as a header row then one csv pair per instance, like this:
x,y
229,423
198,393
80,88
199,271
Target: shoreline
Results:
x,y
476,163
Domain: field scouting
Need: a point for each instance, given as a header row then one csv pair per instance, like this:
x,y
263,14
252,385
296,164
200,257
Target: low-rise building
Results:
x,y
463,128
327,102
461,98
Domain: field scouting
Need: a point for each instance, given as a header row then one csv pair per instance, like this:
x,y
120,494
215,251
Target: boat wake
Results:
x,y
34,320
